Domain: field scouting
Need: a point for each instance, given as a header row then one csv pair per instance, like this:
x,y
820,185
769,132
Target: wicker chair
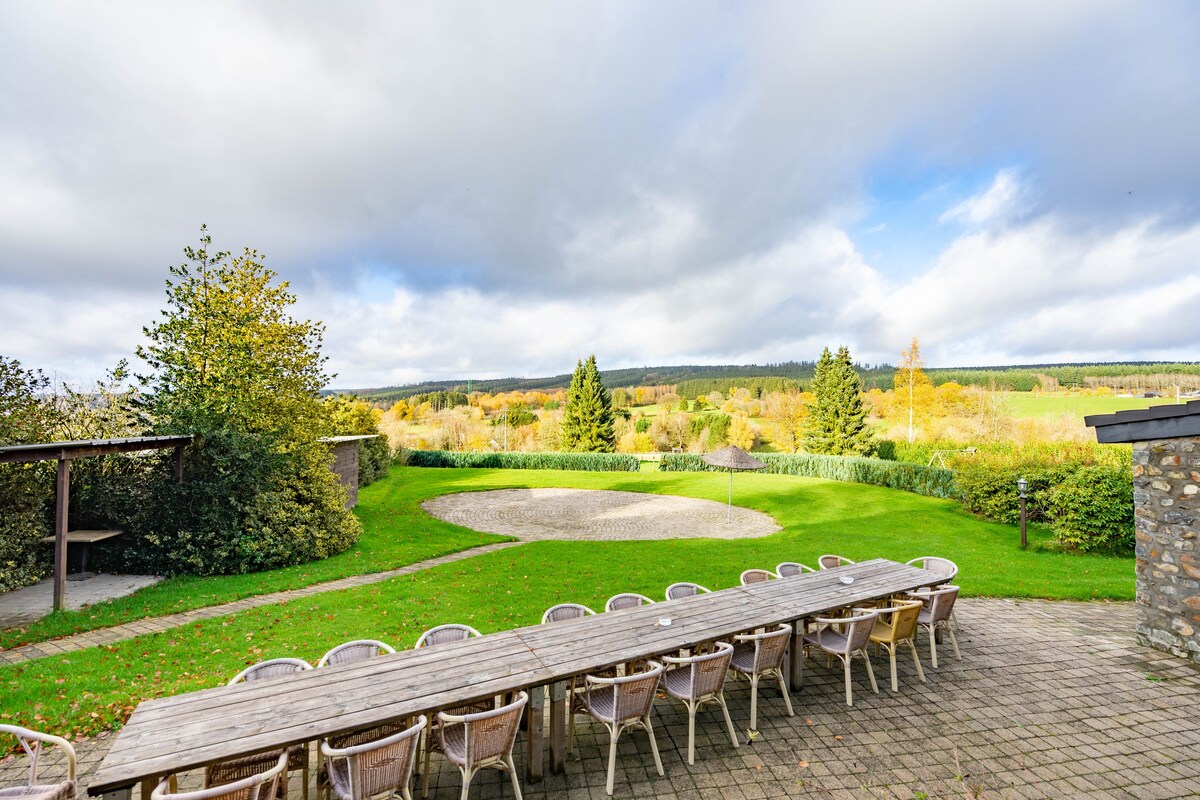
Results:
x,y
358,771
357,650
238,768
847,643
482,740
898,624
790,569
260,786
829,561
32,743
626,600
760,655
444,634
685,589
757,576
564,611
938,605
943,567
619,704
450,632
696,680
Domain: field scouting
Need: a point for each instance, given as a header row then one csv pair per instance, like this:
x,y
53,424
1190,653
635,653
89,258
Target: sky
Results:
x,y
470,189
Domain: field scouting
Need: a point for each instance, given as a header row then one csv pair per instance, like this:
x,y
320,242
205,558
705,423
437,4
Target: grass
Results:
x,y
395,533
95,690
1027,404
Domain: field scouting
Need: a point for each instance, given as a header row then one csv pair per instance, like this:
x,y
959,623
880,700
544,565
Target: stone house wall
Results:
x,y
1166,487
345,466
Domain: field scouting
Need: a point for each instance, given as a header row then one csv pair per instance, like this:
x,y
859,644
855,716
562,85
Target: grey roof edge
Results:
x,y
1143,414
1144,425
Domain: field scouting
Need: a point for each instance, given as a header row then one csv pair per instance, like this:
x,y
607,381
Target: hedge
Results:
x,y
915,478
580,462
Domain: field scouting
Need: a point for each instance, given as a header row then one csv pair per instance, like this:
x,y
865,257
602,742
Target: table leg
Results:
x,y
558,726
797,665
148,786
124,793
533,734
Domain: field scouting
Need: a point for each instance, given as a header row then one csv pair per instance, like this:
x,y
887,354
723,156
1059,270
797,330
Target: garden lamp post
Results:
x,y
1022,485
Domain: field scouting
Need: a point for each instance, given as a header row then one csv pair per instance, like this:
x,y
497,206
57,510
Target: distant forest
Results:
x,y
695,380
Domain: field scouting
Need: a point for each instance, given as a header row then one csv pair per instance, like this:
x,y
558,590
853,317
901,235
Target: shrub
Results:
x,y
25,489
581,462
929,481
1092,509
1084,494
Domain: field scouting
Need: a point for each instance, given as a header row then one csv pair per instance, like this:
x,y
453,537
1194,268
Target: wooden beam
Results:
x,y
179,464
62,495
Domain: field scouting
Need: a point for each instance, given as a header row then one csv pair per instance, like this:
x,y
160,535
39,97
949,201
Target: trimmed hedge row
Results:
x,y
580,462
915,478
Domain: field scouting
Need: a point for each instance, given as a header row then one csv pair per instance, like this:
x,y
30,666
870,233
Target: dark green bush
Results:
x,y
26,490
929,481
1084,494
583,462
1092,509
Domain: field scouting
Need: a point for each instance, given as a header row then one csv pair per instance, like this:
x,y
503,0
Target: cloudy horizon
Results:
x,y
494,190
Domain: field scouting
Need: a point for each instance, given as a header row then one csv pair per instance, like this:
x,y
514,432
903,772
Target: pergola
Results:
x,y
66,452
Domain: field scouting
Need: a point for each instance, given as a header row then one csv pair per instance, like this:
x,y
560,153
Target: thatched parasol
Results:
x,y
731,458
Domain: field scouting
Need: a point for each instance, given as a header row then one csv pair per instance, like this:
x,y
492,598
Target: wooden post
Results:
x,y
533,734
179,464
62,489
797,655
559,710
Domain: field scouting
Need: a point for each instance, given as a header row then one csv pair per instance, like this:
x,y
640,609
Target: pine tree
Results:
x,y
587,424
837,420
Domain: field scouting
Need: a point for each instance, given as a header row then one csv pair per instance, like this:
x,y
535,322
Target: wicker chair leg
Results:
x,y
953,642
653,744
691,733
933,646
912,645
891,650
753,702
849,685
612,759
787,698
728,722
870,672
467,774
512,773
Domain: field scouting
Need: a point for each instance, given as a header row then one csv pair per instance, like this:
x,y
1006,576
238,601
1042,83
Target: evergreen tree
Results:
x,y
231,366
837,420
587,424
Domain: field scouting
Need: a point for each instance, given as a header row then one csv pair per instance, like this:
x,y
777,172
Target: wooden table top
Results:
x,y
191,730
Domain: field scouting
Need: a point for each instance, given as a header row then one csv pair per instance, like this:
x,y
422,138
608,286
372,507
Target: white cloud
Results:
x,y
1000,202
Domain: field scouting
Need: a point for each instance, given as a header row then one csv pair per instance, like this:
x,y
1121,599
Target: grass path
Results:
x,y
94,690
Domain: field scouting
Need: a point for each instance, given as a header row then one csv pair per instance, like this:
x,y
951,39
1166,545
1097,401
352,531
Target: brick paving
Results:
x,y
129,630
1050,700
597,514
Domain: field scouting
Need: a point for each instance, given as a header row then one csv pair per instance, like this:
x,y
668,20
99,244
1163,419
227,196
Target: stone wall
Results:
x,y
345,466
1166,493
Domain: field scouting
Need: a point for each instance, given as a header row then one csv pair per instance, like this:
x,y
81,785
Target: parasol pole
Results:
x,y
729,506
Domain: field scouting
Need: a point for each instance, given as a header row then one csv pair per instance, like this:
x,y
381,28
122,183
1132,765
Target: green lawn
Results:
x,y
1027,404
385,509
94,690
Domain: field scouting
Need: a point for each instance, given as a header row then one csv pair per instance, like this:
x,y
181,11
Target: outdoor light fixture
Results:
x,y
1022,485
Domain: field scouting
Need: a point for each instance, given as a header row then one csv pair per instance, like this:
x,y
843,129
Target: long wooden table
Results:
x,y
192,730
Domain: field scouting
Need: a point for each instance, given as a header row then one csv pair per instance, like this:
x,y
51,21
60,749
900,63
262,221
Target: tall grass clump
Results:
x,y
580,462
915,478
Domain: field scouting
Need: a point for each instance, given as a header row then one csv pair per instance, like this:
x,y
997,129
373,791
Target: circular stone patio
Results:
x,y
597,515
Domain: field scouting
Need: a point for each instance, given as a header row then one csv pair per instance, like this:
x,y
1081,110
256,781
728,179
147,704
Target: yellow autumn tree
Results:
x,y
914,395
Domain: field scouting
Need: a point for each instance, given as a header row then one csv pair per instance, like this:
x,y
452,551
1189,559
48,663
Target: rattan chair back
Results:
x,y
442,634
790,569
357,650
831,561
756,576
684,589
626,600
564,611
366,769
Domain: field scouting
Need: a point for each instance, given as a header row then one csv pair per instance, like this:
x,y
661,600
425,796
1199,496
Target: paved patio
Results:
x,y
1051,700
